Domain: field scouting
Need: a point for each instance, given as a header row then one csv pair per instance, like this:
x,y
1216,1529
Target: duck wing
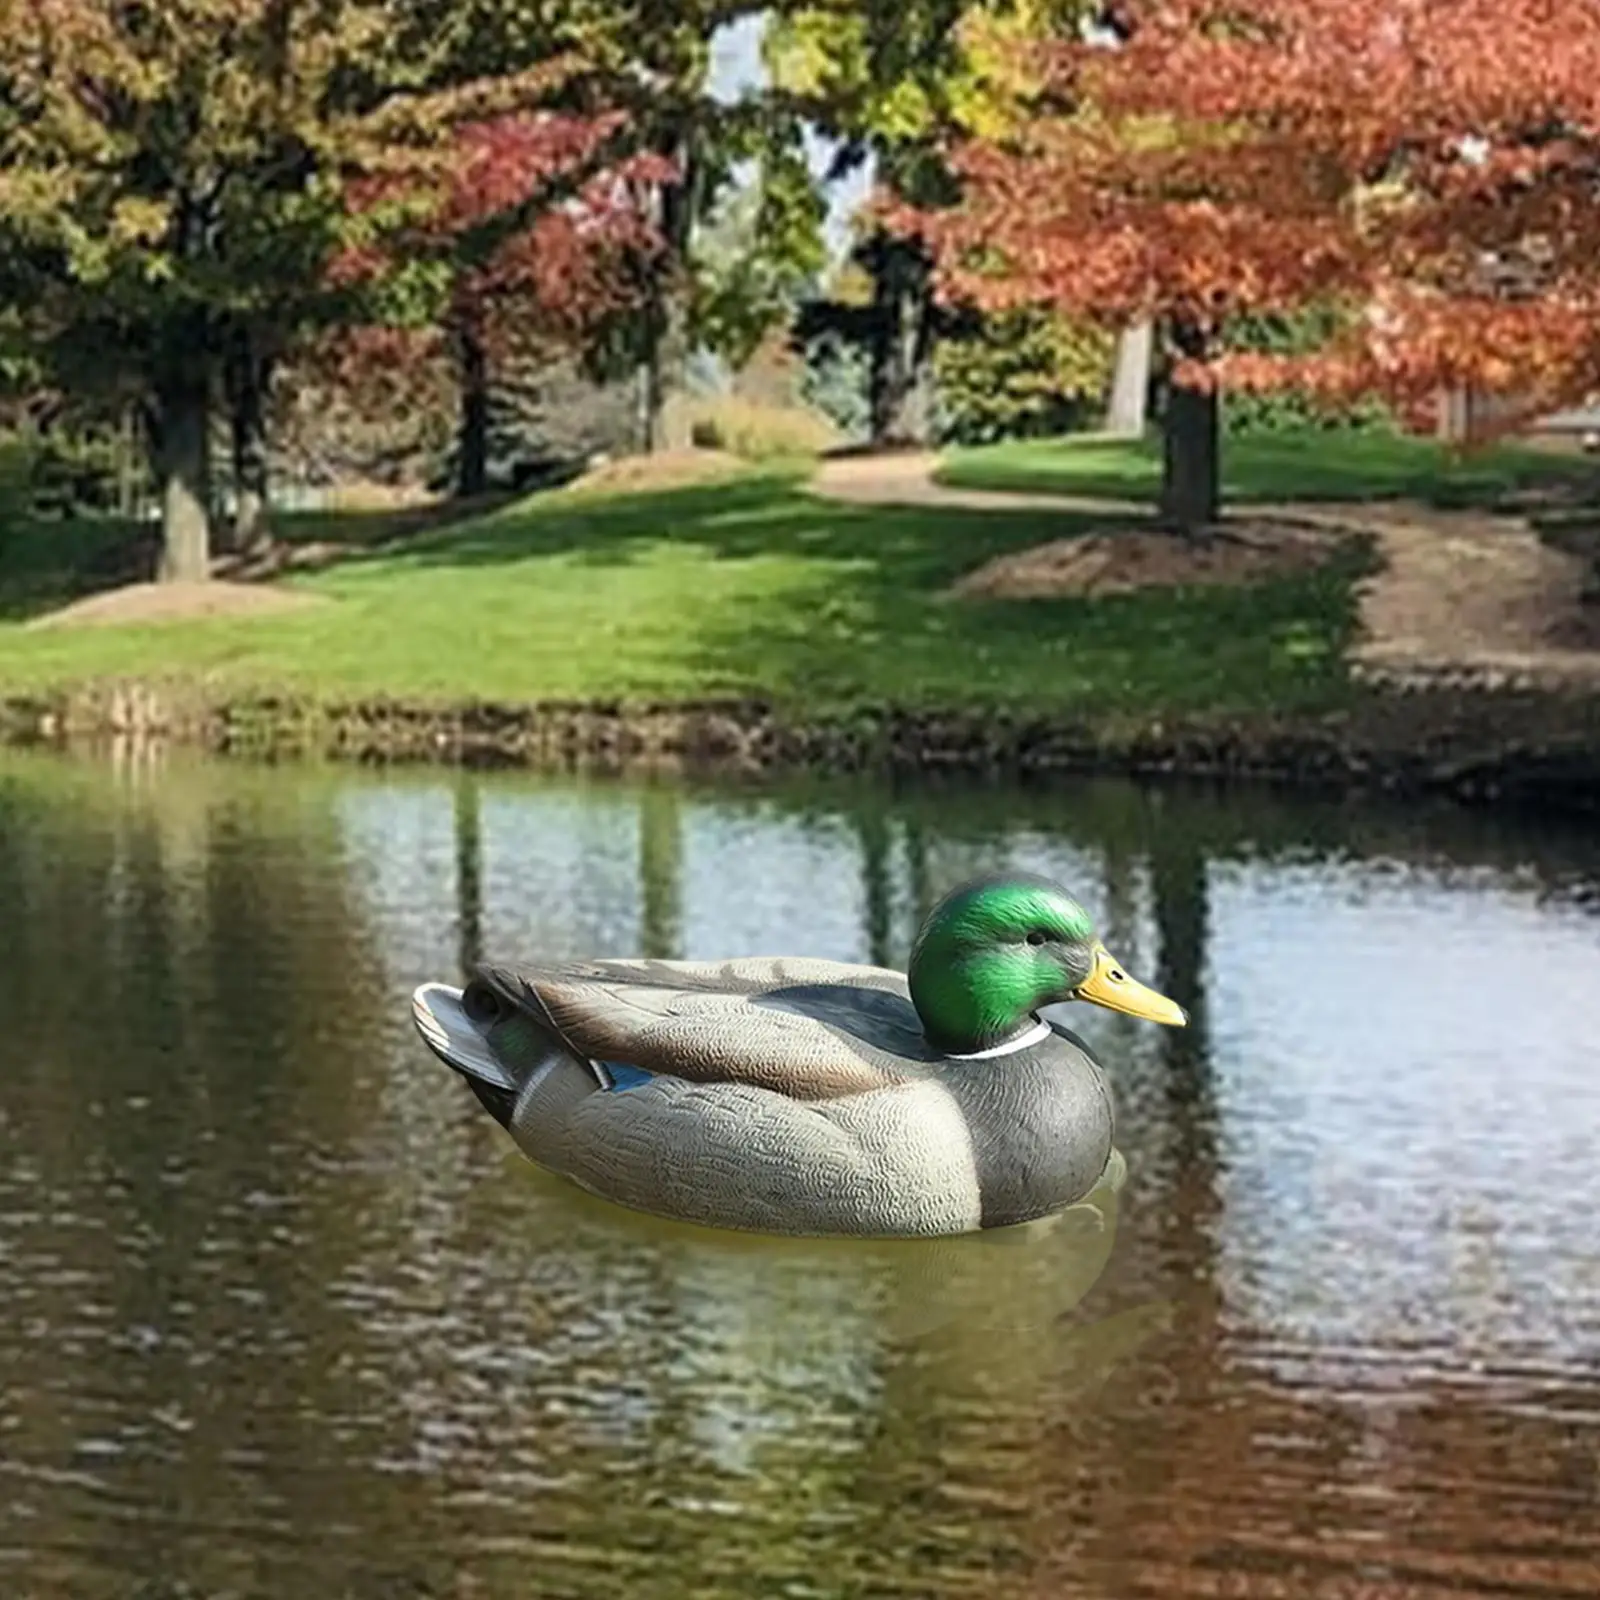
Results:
x,y
811,1030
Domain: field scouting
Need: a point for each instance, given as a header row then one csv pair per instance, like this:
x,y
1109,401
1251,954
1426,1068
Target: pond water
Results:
x,y
284,1317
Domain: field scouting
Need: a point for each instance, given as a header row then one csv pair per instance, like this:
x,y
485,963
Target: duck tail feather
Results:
x,y
447,1031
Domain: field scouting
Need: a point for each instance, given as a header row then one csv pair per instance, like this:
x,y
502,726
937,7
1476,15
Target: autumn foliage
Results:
x,y
1429,166
527,237
575,261
191,191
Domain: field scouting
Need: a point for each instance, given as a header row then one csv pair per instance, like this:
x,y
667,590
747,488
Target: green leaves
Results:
x,y
762,248
1018,373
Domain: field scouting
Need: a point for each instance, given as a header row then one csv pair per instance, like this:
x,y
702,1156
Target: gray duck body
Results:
x,y
779,1095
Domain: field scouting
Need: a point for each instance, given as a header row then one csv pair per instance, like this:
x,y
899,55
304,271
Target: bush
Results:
x,y
1019,374
758,432
58,474
16,461
1292,410
74,473
835,383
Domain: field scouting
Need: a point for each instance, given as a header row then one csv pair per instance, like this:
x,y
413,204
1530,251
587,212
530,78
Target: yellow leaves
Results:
x,y
851,285
32,198
416,118
977,78
829,56
88,255
139,220
1153,131
818,53
1002,73
904,112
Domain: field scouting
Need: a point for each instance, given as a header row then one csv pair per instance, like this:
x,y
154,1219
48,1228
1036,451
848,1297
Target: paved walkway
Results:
x,y
1461,597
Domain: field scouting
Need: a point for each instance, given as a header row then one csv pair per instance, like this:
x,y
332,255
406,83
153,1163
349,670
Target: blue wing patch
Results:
x,y
624,1078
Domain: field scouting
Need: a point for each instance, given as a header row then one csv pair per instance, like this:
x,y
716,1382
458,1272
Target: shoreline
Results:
x,y
1480,745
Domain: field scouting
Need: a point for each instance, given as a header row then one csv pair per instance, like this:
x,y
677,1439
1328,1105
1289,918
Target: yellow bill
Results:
x,y
1109,986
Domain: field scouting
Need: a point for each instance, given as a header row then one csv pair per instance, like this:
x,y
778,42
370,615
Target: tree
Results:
x,y
1017,373
876,79
761,247
656,68
479,293
1422,167
892,83
739,229
173,184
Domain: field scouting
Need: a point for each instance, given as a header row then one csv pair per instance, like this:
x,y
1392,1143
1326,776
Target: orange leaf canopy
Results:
x,y
1433,166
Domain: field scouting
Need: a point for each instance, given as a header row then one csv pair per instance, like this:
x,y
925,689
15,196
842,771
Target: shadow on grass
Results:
x,y
867,619
872,642
750,588
744,520
46,562
380,526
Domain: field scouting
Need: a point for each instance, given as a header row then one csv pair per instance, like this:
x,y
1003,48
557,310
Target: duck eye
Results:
x,y
1038,936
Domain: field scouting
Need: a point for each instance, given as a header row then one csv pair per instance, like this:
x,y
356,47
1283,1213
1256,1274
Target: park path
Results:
x,y
1460,597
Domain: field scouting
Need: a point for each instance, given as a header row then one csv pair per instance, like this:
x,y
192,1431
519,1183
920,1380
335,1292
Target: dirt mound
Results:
x,y
1459,596
668,469
176,602
1121,560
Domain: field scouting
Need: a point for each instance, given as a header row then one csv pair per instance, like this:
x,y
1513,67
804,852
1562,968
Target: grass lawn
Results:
x,y
743,587
1310,465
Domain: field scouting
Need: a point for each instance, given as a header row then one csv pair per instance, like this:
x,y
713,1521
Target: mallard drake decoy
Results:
x,y
812,1097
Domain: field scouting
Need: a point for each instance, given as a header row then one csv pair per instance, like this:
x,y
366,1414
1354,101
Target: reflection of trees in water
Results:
x,y
660,873
918,879
877,884
1416,1486
468,817
187,991
966,822
1189,1200
302,1299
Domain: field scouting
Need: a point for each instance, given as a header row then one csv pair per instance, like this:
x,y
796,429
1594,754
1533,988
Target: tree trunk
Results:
x,y
182,455
664,416
469,873
664,422
1191,466
902,343
1130,382
248,379
1453,424
472,431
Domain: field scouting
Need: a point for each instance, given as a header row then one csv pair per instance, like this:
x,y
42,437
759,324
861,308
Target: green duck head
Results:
x,y
995,950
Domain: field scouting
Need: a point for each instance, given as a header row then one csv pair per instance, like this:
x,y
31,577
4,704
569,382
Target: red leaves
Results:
x,y
1433,160
499,164
551,279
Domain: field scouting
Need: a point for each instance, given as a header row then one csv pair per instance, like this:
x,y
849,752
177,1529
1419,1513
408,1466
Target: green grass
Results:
x,y
748,587
1310,465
